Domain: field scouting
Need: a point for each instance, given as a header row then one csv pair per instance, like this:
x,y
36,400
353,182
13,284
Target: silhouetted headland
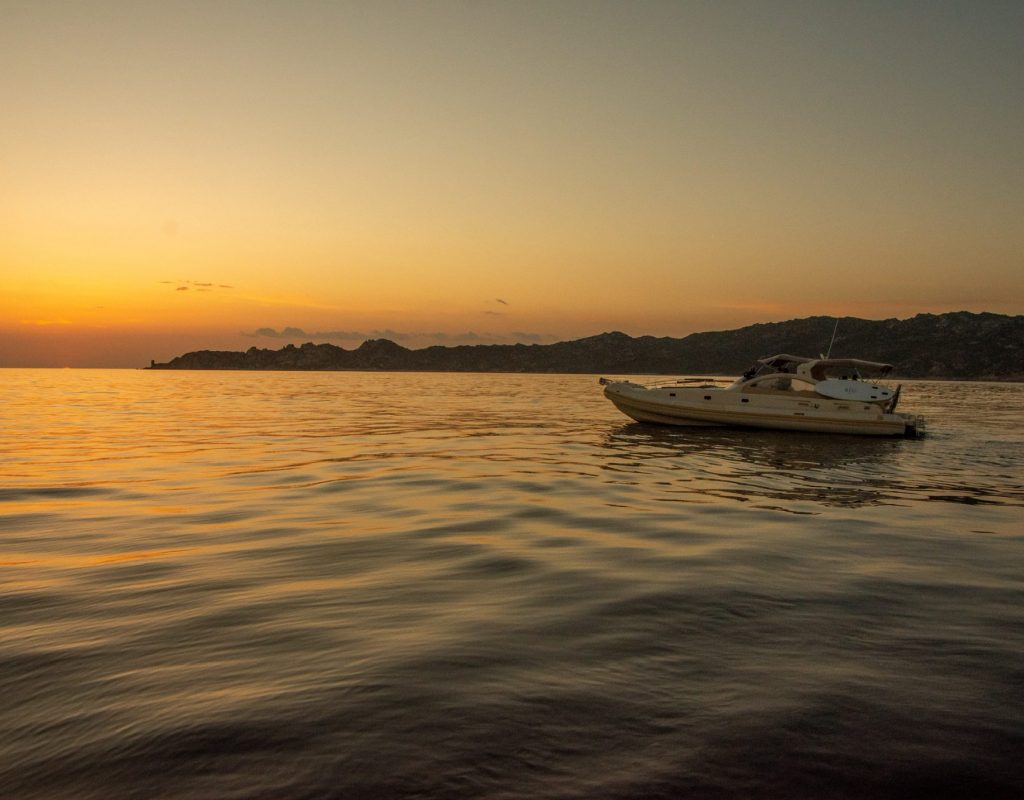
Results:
x,y
960,345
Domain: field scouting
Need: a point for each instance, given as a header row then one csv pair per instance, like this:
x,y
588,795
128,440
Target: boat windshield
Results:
x,y
773,365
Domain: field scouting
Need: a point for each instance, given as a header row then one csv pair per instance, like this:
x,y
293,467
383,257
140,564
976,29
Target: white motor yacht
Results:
x,y
784,392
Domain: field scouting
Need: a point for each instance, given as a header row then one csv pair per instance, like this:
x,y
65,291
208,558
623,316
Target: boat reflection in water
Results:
x,y
760,467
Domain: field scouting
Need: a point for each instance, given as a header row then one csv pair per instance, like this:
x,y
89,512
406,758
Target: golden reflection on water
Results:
x,y
231,576
65,561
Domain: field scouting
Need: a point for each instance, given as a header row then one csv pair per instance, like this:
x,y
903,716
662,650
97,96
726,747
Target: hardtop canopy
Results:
x,y
820,368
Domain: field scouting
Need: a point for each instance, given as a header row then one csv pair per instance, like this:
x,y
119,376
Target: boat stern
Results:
x,y
915,426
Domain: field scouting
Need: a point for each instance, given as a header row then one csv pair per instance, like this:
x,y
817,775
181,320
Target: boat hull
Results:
x,y
706,407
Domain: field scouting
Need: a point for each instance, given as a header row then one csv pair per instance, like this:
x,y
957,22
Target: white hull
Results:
x,y
719,407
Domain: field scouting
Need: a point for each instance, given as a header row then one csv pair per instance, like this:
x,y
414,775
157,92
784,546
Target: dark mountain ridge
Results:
x,y
959,344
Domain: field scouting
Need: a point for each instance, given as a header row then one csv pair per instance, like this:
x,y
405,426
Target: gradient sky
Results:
x,y
178,175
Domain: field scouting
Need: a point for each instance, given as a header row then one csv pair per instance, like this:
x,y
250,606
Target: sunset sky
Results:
x,y
178,176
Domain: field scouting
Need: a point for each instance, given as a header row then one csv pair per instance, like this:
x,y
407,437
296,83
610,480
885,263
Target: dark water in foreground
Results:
x,y
345,585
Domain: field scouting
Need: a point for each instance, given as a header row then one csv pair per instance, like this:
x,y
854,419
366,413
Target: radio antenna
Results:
x,y
829,353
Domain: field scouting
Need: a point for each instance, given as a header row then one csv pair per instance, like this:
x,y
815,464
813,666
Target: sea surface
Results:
x,y
395,585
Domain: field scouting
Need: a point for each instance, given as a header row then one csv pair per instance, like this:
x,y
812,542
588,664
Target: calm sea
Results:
x,y
355,585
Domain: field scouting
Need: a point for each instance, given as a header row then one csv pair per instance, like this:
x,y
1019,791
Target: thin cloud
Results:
x,y
533,338
396,336
410,338
284,333
341,336
200,286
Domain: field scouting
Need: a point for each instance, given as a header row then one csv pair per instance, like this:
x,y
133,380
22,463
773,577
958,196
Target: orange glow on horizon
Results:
x,y
183,179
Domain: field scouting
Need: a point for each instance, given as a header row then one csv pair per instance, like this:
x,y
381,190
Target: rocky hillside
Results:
x,y
956,345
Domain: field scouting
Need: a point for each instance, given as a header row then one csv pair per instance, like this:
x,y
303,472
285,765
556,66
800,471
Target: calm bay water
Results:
x,y
348,585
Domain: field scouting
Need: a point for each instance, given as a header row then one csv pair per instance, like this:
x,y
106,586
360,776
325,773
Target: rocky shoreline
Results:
x,y
958,345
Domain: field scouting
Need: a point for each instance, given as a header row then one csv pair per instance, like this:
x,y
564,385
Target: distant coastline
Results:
x,y
958,345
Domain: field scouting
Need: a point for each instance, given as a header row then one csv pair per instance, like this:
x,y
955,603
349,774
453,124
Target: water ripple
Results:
x,y
299,585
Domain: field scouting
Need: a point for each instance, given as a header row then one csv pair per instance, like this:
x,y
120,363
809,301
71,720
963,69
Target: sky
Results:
x,y
220,175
